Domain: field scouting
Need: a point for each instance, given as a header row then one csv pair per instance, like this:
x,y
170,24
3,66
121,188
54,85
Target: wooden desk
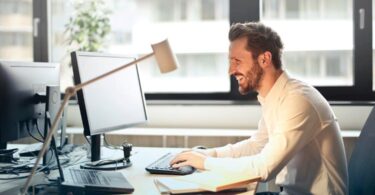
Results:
x,y
141,180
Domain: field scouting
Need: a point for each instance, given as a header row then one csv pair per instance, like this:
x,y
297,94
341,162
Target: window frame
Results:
x,y
362,61
239,11
41,39
242,11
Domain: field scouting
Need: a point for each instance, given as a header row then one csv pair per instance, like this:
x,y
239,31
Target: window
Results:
x,y
323,29
335,55
326,42
197,31
16,41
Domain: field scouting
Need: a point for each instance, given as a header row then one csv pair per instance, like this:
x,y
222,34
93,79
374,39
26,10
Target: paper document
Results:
x,y
215,181
168,185
204,181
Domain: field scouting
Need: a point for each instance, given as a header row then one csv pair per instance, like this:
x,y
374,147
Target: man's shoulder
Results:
x,y
302,94
300,91
298,88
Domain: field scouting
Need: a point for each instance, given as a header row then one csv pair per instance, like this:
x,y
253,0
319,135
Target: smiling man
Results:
x,y
298,140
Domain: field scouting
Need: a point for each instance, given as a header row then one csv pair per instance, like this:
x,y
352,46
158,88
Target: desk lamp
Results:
x,y
166,61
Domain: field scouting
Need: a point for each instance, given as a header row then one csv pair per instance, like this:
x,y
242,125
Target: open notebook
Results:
x,y
205,181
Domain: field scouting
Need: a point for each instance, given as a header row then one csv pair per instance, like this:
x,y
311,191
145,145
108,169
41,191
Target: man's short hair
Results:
x,y
260,38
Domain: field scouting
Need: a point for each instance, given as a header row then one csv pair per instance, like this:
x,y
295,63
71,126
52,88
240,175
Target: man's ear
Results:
x,y
265,59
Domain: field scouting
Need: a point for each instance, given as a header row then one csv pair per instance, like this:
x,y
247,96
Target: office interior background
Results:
x,y
328,43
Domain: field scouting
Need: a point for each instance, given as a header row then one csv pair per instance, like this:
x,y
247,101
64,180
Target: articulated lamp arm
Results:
x,y
167,62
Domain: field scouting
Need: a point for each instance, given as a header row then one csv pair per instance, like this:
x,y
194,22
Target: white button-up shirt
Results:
x,y
298,141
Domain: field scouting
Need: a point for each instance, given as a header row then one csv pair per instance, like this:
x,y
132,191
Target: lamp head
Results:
x,y
165,58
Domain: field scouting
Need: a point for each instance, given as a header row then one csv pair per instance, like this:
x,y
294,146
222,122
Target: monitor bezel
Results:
x,y
81,97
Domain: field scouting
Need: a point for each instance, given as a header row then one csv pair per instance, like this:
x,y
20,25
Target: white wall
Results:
x,y
225,116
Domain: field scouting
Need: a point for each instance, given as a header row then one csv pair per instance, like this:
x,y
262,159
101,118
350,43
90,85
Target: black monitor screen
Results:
x,y
21,83
112,103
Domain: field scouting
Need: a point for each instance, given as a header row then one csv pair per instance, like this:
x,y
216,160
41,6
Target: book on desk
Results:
x,y
205,181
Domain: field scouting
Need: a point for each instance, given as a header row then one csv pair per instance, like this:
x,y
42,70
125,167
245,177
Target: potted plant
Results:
x,y
89,25
87,30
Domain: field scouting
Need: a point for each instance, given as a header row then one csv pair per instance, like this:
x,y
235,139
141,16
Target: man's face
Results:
x,y
242,66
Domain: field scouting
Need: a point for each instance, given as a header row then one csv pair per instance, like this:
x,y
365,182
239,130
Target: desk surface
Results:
x,y
141,180
195,132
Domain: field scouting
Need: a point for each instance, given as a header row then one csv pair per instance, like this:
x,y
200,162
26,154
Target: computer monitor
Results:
x,y
113,103
23,98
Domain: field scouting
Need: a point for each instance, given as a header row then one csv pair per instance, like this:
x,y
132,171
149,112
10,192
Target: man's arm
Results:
x,y
249,146
296,126
211,152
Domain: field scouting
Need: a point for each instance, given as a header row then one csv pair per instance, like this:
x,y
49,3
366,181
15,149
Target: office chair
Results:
x,y
362,161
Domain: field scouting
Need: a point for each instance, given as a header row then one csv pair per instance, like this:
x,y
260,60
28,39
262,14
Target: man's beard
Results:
x,y
254,76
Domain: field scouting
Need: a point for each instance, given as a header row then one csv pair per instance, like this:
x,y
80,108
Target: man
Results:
x,y
298,139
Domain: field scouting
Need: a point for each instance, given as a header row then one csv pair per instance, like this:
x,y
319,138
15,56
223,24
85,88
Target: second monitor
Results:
x,y
112,103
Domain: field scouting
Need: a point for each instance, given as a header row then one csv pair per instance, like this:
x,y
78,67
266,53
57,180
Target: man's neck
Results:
x,y
269,81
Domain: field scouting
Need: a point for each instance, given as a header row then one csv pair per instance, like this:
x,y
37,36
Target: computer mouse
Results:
x,y
185,170
200,147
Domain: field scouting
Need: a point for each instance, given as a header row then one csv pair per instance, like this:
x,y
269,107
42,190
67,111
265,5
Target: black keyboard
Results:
x,y
161,166
88,177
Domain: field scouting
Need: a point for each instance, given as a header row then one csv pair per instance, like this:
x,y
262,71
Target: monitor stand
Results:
x,y
53,102
110,164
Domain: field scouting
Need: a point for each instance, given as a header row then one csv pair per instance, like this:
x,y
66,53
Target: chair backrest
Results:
x,y
362,161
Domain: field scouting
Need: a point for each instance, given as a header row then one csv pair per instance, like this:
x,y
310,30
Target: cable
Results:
x,y
29,132
77,156
18,170
35,122
6,155
37,128
64,163
110,146
49,161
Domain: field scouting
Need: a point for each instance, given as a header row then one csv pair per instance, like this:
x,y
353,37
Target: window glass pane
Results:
x,y
292,9
317,37
196,29
16,41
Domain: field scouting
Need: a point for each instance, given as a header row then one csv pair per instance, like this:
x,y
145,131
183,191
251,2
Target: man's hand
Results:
x,y
191,157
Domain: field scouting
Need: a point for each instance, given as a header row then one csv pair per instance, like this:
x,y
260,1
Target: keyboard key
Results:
x,y
88,177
